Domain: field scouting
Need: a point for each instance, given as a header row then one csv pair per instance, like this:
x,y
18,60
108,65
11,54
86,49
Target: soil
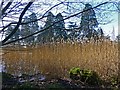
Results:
x,y
35,82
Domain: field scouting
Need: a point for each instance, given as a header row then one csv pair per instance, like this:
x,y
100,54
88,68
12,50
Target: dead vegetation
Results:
x,y
56,59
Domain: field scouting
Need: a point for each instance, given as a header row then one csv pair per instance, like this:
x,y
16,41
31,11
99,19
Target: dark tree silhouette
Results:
x,y
28,29
88,21
59,28
56,31
18,24
47,35
10,9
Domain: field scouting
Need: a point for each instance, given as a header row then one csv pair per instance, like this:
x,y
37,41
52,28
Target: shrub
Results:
x,y
74,73
87,76
114,80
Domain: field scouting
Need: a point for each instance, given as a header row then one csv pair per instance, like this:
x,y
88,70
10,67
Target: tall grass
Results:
x,y
56,59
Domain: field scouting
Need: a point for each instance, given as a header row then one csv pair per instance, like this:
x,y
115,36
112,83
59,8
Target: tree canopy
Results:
x,y
14,12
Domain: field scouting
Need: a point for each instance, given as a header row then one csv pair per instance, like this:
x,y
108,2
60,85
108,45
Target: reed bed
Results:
x,y
56,59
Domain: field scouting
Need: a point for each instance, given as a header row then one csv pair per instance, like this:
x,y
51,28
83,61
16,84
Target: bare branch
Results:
x,y
11,9
52,25
32,20
6,7
19,22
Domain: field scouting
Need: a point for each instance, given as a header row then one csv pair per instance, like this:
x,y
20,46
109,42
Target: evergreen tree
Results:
x,y
8,31
15,36
73,33
59,27
56,29
29,28
48,34
33,26
88,21
100,32
25,30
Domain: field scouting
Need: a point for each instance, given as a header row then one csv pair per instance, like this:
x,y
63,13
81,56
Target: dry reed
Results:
x,y
56,59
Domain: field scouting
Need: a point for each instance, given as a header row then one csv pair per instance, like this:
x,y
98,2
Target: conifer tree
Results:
x,y
48,34
15,36
88,21
29,28
59,27
33,26
25,30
